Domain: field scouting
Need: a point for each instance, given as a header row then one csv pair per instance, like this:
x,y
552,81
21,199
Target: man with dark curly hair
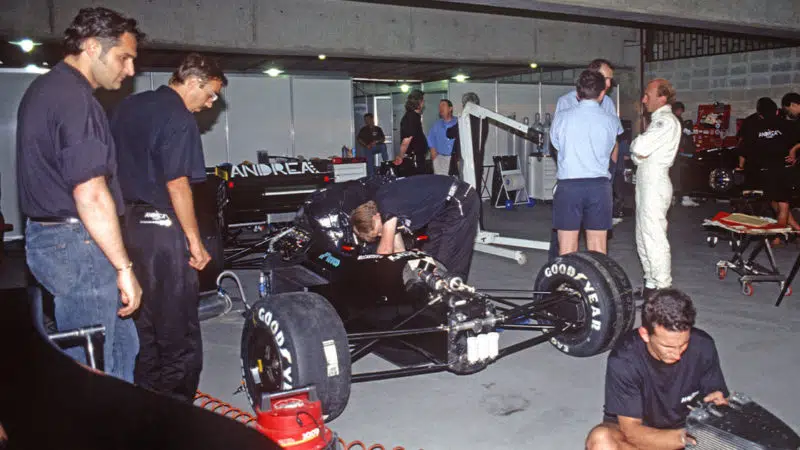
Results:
x,y
161,155
654,374
68,186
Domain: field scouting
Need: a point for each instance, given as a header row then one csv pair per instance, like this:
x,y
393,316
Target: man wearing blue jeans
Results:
x,y
66,169
371,142
585,137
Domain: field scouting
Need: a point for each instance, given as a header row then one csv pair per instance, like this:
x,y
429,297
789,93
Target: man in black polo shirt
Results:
x,y
765,142
654,374
448,207
413,140
68,189
160,154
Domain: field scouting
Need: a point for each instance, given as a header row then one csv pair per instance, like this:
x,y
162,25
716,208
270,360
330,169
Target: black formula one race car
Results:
x,y
328,300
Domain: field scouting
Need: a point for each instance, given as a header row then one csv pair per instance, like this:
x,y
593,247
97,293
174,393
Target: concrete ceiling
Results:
x,y
778,19
163,59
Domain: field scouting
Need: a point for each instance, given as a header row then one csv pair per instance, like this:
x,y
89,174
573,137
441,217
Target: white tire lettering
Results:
x,y
596,325
596,311
593,298
548,273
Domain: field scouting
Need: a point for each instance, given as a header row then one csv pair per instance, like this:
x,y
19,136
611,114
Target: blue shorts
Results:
x,y
582,203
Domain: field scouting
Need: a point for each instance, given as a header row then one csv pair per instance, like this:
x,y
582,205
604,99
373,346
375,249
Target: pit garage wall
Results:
x,y
290,116
739,79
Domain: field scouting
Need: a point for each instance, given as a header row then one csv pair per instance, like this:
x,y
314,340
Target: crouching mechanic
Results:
x,y
654,374
448,207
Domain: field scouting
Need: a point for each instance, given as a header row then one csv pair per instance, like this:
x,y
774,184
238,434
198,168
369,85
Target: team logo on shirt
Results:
x,y
769,134
264,170
157,218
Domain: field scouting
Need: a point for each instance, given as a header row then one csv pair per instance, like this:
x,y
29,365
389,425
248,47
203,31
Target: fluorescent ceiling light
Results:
x,y
534,65
386,80
460,78
322,57
405,87
273,72
32,68
26,45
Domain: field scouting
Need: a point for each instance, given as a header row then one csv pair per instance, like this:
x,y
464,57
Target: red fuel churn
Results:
x,y
293,419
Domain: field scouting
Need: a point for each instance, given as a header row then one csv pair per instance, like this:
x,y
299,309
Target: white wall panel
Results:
x,y
258,111
14,84
323,116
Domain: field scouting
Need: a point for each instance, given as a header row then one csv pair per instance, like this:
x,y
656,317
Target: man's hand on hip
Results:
x,y
199,256
130,292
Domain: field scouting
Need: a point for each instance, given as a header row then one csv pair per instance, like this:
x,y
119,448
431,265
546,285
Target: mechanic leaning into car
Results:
x,y
654,374
447,206
766,142
160,154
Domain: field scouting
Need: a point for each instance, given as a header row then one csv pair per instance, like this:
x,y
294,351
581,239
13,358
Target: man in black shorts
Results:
x,y
448,207
766,141
654,374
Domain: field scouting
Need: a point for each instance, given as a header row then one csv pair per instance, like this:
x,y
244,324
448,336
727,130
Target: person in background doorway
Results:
x,y
679,173
412,137
441,146
371,142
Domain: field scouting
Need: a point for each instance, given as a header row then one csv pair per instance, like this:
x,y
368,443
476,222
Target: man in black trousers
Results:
x,y
160,155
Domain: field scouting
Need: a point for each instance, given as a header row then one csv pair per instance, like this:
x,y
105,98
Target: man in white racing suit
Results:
x,y
654,152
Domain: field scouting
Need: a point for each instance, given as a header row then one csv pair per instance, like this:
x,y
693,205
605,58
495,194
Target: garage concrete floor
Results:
x,y
541,398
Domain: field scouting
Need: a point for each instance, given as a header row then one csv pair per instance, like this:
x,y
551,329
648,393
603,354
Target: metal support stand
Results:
x,y
87,333
788,283
487,241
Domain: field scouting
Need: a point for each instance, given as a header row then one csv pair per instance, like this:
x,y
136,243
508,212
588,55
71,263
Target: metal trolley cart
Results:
x,y
747,232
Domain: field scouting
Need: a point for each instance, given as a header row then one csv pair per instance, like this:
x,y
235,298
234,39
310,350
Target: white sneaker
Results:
x,y
687,201
616,220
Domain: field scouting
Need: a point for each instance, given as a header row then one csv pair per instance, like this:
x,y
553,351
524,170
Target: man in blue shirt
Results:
x,y
160,155
569,100
584,136
442,146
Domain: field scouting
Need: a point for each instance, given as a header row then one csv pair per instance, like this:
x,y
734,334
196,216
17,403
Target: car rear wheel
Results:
x,y
598,301
293,340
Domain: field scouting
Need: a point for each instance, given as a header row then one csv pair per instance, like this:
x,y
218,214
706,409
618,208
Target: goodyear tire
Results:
x,y
294,340
623,289
603,301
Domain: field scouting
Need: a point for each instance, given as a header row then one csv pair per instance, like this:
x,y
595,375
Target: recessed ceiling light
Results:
x,y
534,65
33,68
26,45
322,57
405,87
460,78
273,72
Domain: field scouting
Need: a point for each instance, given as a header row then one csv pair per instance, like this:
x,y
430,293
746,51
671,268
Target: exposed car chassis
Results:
x,y
327,301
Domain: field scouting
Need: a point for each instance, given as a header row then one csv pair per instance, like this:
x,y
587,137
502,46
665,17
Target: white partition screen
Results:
x,y
323,116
